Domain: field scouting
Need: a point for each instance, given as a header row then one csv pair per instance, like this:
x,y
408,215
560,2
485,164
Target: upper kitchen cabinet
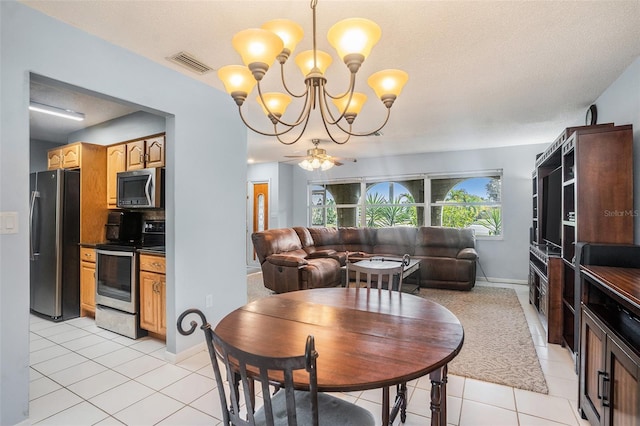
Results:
x,y
91,160
137,154
116,162
145,153
65,157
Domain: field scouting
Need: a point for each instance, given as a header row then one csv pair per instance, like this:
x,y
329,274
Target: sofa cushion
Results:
x,y
398,240
305,237
274,241
468,253
437,241
286,260
357,239
321,273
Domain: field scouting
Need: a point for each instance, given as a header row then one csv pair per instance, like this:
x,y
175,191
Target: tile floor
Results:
x,y
84,375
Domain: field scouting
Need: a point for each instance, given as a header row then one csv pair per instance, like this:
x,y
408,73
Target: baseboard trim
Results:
x,y
503,280
187,353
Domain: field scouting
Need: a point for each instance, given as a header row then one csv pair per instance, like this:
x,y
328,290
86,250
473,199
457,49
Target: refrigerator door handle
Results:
x,y
32,252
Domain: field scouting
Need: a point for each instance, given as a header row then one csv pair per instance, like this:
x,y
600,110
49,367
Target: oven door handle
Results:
x,y
115,253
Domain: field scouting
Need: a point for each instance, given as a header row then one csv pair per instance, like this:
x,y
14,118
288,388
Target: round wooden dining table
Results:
x,y
365,338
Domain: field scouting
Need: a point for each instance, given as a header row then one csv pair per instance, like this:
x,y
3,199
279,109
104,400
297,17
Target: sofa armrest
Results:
x,y
468,254
284,260
322,253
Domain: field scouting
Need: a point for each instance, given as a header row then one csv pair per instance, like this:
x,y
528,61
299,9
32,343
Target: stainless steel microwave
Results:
x,y
141,189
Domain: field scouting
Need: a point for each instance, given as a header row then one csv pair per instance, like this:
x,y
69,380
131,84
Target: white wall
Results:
x,y
38,154
208,189
505,258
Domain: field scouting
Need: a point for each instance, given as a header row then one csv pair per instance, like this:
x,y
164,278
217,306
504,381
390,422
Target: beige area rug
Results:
x,y
497,342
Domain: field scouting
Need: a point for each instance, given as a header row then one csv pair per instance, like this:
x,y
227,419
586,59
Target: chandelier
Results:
x,y
353,40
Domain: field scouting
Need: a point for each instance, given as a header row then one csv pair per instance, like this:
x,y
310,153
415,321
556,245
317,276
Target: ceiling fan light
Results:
x,y
276,103
354,35
257,46
326,165
236,78
305,164
305,62
354,107
388,82
315,163
290,32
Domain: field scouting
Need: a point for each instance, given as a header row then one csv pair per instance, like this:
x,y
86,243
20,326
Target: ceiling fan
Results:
x,y
317,158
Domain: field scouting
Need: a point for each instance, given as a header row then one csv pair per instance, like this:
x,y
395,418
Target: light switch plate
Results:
x,y
8,222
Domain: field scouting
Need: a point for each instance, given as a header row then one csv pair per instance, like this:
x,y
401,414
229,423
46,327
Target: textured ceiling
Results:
x,y
482,73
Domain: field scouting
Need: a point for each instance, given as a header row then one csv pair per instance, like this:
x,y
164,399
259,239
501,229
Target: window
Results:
x,y
468,202
335,204
464,200
394,203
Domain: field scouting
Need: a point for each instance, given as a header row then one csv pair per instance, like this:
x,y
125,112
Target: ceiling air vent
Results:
x,y
187,60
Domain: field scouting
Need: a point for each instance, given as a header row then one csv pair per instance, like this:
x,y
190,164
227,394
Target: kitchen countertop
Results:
x,y
156,250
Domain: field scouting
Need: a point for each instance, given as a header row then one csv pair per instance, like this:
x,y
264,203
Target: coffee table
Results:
x,y
366,339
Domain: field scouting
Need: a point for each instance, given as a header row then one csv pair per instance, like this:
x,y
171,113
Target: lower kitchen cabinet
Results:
x,y
153,294
87,281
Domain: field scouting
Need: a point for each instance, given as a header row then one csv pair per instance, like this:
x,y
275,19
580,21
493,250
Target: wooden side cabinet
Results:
x,y
116,162
153,294
91,161
87,281
609,380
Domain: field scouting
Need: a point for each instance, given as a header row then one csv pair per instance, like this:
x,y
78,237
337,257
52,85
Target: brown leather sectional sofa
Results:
x,y
300,258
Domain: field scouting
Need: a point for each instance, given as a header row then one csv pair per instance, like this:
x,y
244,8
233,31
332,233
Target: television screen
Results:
x,y
551,207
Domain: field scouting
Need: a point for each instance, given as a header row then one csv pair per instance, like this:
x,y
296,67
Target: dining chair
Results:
x,y
384,273
378,270
286,405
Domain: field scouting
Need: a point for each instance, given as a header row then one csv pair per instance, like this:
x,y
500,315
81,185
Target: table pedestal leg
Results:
x,y
439,397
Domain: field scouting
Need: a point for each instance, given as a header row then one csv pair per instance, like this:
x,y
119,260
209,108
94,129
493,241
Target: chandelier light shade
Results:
x,y
276,40
274,103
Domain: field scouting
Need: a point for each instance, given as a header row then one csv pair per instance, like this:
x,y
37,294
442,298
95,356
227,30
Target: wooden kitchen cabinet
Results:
x,y
116,162
134,155
91,160
87,281
65,157
145,153
153,294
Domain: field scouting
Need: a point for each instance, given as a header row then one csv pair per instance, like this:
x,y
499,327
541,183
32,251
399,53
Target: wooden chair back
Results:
x,y
246,369
378,270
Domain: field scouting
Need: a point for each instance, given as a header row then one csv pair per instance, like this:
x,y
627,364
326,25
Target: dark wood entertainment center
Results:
x,y
582,192
610,334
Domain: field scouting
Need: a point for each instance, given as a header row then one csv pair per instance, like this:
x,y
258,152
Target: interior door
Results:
x,y
260,208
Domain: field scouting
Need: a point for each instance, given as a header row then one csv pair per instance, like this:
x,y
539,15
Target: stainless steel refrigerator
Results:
x,y
54,231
